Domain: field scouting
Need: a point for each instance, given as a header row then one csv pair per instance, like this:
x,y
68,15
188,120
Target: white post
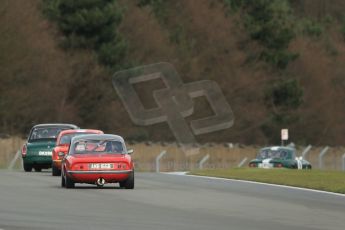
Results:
x,y
203,160
299,162
158,159
14,160
305,151
343,157
322,153
242,162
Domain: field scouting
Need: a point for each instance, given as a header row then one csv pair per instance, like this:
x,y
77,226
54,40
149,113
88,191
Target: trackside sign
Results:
x,y
284,134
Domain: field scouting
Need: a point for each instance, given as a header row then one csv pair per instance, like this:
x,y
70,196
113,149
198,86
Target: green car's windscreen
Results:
x,y
275,154
44,133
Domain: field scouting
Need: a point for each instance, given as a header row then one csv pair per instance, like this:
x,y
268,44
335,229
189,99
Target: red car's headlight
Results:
x,y
60,155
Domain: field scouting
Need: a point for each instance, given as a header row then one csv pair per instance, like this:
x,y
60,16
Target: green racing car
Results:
x,y
279,157
37,151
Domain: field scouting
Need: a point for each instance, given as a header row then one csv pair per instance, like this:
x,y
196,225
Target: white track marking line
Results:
x,y
176,173
254,182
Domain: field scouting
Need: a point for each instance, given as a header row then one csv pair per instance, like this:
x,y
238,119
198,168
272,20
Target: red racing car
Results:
x,y
62,144
98,159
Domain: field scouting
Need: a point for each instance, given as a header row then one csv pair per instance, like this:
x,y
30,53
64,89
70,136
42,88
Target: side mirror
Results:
x,y
130,151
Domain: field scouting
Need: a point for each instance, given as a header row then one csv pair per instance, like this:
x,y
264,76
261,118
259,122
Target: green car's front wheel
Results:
x,y
38,169
27,167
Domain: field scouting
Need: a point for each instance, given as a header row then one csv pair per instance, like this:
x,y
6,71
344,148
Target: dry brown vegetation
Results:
x,y
8,149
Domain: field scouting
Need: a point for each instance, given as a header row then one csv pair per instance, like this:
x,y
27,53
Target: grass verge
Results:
x,y
332,181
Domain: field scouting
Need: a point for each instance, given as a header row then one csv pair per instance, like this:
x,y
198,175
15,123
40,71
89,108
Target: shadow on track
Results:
x,y
86,187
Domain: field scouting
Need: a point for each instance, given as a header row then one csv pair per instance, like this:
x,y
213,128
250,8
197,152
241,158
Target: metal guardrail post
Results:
x,y
203,161
305,151
299,162
158,159
343,160
242,162
322,153
292,145
14,160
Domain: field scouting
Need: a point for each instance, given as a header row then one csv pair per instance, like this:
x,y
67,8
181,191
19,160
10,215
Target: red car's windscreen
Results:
x,y
97,146
66,139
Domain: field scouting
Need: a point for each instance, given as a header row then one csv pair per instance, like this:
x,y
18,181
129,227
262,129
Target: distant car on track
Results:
x,y
37,151
279,157
62,145
98,159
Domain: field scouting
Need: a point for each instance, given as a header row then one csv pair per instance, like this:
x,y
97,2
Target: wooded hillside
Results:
x,y
279,63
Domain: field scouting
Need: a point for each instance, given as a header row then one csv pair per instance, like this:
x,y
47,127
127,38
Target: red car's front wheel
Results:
x,y
129,182
55,171
69,183
66,181
62,181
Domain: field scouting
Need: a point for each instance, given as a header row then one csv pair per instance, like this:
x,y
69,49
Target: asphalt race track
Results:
x,y
160,202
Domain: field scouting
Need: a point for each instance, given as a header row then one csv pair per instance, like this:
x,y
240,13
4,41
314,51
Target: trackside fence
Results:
x,y
162,157
225,156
